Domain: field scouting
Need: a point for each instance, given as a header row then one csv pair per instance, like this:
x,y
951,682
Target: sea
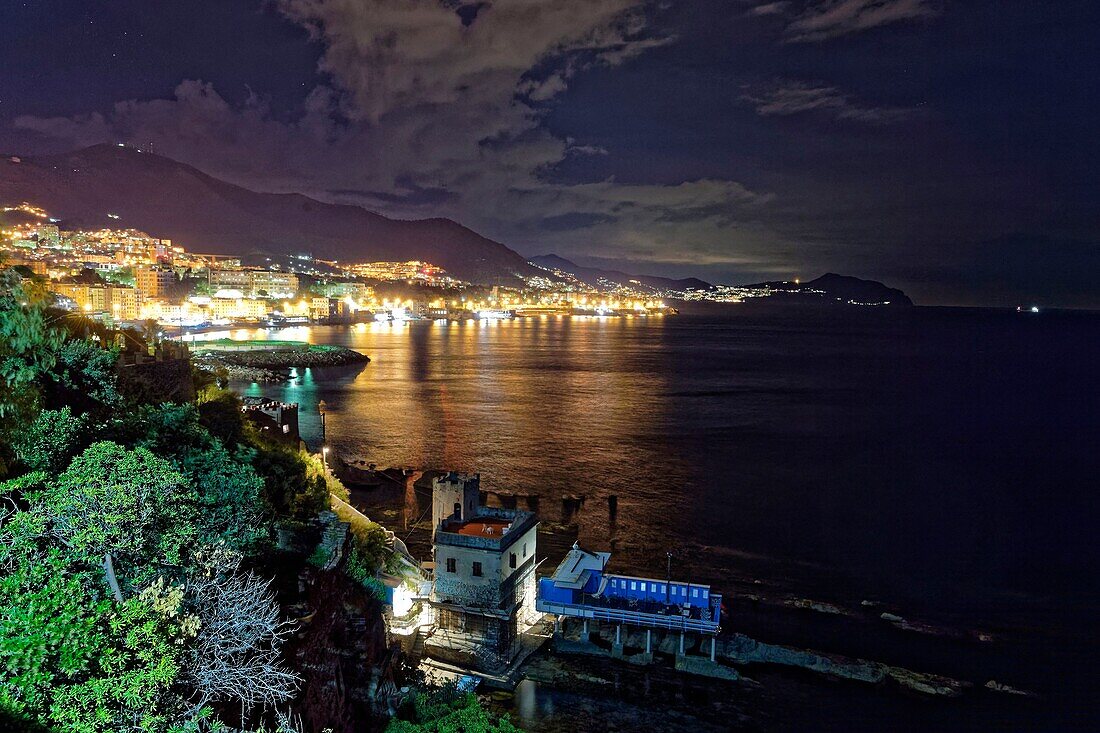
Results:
x,y
915,486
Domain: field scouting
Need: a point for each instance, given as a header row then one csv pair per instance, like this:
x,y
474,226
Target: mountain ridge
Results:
x,y
205,214
592,275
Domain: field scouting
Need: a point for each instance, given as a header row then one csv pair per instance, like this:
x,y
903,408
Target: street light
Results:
x,y
668,580
324,458
321,407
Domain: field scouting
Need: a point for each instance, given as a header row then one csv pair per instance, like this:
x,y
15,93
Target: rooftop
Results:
x,y
490,527
479,527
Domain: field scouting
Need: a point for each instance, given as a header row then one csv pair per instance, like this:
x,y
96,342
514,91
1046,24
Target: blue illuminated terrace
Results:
x,y
580,589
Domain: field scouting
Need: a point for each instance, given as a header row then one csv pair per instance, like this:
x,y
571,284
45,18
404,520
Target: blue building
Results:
x,y
580,588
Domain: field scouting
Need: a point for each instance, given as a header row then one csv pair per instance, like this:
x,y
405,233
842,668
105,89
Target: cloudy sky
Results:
x,y
945,146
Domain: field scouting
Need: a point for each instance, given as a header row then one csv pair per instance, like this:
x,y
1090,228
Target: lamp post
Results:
x,y
321,406
324,458
668,579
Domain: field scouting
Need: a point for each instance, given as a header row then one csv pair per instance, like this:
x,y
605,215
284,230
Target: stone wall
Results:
x,y
157,381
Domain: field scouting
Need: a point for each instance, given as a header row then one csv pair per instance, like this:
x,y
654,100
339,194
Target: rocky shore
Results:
x,y
741,652
274,366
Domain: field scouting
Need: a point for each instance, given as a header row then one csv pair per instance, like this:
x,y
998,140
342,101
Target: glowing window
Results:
x,y
633,585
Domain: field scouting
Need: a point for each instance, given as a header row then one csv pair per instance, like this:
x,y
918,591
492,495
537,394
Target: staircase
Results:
x,y
420,639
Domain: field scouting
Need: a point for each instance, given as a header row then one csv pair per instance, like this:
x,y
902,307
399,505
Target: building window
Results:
x,y
694,592
512,560
458,510
477,569
661,588
525,549
633,585
452,565
706,593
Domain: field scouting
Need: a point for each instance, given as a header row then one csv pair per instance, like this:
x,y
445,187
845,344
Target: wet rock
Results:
x,y
741,649
1007,689
811,605
927,684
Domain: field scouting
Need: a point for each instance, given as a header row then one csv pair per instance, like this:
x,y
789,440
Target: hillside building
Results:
x,y
483,594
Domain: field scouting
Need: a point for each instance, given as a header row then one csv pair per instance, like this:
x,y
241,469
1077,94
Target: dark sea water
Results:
x,y
940,462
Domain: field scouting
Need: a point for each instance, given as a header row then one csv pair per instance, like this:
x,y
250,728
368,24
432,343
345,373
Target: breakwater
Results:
x,y
250,361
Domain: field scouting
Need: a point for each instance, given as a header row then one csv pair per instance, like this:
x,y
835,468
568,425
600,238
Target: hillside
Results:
x,y
831,287
597,277
172,200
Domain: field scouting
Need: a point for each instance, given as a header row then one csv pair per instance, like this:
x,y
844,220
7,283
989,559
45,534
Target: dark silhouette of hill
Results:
x,y
172,200
833,287
593,275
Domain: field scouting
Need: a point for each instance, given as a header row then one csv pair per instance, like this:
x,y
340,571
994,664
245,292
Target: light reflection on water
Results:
x,y
736,441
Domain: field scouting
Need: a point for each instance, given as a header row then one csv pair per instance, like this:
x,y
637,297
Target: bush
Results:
x,y
128,503
446,710
51,440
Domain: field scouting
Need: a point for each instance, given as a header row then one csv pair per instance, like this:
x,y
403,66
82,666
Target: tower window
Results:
x,y
452,565
512,560
477,569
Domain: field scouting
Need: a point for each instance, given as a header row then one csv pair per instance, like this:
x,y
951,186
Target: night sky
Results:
x,y
946,147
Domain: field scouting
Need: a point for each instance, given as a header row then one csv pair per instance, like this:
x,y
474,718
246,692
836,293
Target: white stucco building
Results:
x,y
483,594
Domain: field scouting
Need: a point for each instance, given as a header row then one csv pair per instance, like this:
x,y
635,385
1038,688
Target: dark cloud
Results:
x,y
429,111
691,138
777,8
792,98
827,19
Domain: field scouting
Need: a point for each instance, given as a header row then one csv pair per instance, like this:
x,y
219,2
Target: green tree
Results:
x,y
51,440
128,504
228,492
84,376
294,485
28,344
445,710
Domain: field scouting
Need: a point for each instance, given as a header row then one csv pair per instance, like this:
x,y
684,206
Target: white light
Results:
x,y
402,601
1034,309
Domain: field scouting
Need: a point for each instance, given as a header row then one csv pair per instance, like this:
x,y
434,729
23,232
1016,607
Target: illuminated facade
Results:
x,y
154,282
119,301
483,594
252,283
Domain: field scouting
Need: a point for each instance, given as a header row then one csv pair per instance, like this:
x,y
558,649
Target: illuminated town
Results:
x,y
126,275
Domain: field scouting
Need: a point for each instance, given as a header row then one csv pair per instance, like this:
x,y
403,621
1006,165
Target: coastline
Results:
x,y
272,364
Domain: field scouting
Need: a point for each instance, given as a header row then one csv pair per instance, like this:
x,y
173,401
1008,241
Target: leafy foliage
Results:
x,y
113,617
85,377
126,503
28,343
295,485
50,440
445,710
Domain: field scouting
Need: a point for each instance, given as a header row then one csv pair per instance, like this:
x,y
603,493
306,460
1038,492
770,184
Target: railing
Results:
x,y
624,616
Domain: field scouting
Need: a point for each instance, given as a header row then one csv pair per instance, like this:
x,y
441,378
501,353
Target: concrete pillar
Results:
x,y
681,643
713,642
618,630
647,647
585,630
